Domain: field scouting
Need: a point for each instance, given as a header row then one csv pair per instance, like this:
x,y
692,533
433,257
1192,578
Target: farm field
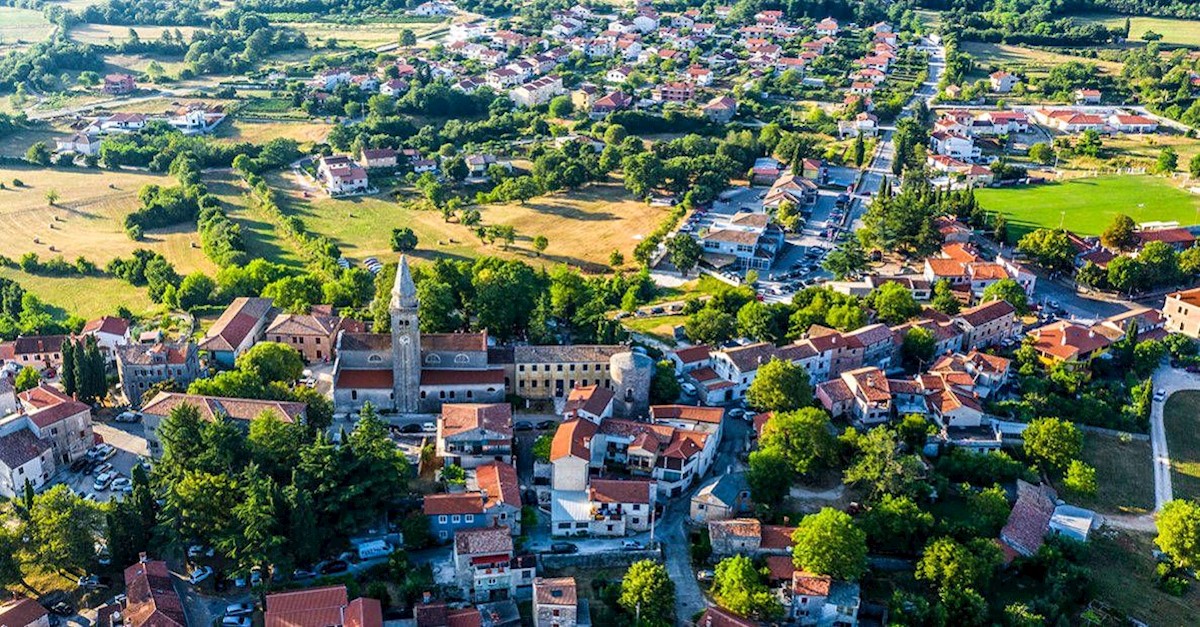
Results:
x,y
362,226
15,144
1087,205
236,130
1127,485
89,297
364,35
102,33
1184,32
1032,60
22,26
1181,417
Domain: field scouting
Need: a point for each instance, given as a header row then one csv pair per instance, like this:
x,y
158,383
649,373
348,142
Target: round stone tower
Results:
x,y
631,372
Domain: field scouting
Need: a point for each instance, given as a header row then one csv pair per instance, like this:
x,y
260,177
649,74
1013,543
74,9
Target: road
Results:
x,y
1170,380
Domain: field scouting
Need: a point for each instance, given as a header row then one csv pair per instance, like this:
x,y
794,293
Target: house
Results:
x,y
749,536
141,367
376,158
110,333
715,616
1088,96
700,75
970,173
79,143
25,457
537,92
863,392
240,326
239,410
1178,238
431,9
1029,520
484,564
394,87
471,434
571,454
988,324
1002,82
672,457
800,190
24,612
827,27
720,109
1125,123
450,513
151,598
327,606
765,170
341,175
592,402
122,123
722,497
1182,311
617,507
674,92
864,124
313,334
497,482
688,359
953,145
618,75
748,240
556,603
819,600
479,164
57,418
37,351
1068,343
118,84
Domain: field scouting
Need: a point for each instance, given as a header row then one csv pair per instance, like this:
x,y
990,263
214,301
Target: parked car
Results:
x,y
632,545
563,547
704,575
547,424
200,574
737,412
688,388
412,428
334,566
428,427
122,484
522,426
103,480
300,574
128,416
1160,395
197,550
58,606
79,464
235,621
239,609
102,468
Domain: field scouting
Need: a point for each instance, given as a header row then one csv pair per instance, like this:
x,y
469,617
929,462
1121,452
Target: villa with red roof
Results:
x,y
328,606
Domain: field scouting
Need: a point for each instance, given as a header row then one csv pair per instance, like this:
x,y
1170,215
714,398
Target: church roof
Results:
x,y
404,291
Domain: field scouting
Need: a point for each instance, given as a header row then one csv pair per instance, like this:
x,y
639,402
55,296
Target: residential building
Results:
x,y
78,143
453,512
151,598
592,402
723,497
24,457
864,393
313,335
1088,96
141,367
571,454
620,506
57,418
24,612
1002,82
796,189
470,434
538,91
37,351
553,371
819,600
379,158
557,604
110,333
688,359
674,92
1182,311
749,241
1029,520
240,326
864,124
672,457
748,536
988,324
1127,123
1068,343
955,146
720,109
118,84
327,606
484,564
497,482
341,175
240,410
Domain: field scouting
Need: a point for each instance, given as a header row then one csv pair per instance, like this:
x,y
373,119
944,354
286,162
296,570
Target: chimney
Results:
x,y
142,558
427,597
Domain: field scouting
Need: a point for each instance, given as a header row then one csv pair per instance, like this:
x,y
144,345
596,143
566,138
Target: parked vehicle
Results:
x,y
428,427
334,566
371,550
102,468
523,426
563,547
239,609
128,416
235,621
688,388
300,574
103,480
200,574
632,545
122,484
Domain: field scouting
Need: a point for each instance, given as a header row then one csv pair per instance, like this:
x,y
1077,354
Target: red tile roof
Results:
x,y
808,584
483,541
244,409
498,481
152,600
378,379
692,413
556,591
461,503
777,537
23,612
620,491
314,607
107,324
592,399
461,417
573,437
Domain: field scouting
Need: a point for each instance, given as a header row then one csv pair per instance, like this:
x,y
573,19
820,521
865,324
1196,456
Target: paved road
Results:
x,y
1170,380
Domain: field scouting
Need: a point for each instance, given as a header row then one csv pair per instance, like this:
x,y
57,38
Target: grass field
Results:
x,y
1181,416
583,226
1031,60
89,297
102,33
258,233
1090,203
661,328
1122,569
1183,32
22,26
237,130
364,35
15,144
1126,475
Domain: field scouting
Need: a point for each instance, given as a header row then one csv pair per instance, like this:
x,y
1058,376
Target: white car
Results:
x,y
102,482
428,427
127,416
106,451
235,621
239,609
200,574
1160,395
688,389
122,484
102,468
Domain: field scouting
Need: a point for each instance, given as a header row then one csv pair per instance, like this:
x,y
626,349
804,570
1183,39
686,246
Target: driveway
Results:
x,y
1170,380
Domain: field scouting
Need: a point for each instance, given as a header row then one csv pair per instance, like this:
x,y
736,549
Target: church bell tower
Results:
x,y
406,342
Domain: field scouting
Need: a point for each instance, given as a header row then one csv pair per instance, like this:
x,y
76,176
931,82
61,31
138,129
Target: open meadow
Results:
x,y
235,130
1030,60
1122,568
1181,417
369,35
20,27
103,33
1127,471
1181,32
1087,205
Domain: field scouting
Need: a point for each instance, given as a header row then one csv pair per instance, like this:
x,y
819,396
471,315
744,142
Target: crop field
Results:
x,y
102,33
1029,59
365,35
1183,32
19,27
238,130
582,226
1087,205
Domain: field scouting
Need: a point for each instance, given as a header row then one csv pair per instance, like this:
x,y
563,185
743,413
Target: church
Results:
x,y
410,372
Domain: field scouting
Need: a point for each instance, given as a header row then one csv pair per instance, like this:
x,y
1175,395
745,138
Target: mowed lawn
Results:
x,y
1186,32
1126,473
583,226
1122,569
90,297
102,33
1029,59
1181,416
1087,205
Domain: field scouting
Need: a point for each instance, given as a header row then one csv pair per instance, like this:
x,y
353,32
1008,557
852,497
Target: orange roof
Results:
x,y
692,413
807,584
573,438
444,504
460,417
498,481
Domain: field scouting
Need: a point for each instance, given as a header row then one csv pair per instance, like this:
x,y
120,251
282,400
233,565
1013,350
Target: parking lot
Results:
x,y
130,449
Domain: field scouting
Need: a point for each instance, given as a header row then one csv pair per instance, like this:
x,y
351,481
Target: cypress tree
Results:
x,y
80,364
68,367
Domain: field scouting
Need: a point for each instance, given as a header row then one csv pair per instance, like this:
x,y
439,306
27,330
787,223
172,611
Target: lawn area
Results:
x,y
1089,204
1181,416
363,35
22,26
235,130
1122,569
258,233
1184,32
661,328
582,226
87,217
102,33
1125,472
15,144
1029,59
89,297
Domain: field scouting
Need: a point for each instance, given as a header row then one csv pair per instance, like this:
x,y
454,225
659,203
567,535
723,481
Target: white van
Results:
x,y
373,549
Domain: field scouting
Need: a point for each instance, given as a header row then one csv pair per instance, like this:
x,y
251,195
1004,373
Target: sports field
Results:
x,y
1087,205
1183,32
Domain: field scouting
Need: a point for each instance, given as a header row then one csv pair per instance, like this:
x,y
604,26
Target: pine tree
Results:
x,y
68,368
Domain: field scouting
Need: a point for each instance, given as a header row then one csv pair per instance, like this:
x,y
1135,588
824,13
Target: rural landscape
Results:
x,y
500,313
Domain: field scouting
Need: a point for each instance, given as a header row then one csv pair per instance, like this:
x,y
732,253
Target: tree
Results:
x,y
780,386
11,573
1009,291
38,153
648,592
739,587
1194,166
272,361
684,252
859,151
540,243
944,299
1042,153
195,290
949,565
408,38
561,107
709,326
27,379
896,524
63,530
541,448
1179,532
1080,478
803,437
917,349
1053,442
881,468
664,388
769,476
643,172
52,196
403,240
829,543
847,259
1049,248
68,368
1089,143
1120,233
1166,162
893,303
616,259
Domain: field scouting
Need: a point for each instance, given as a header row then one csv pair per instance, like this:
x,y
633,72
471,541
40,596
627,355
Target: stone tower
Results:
x,y
406,342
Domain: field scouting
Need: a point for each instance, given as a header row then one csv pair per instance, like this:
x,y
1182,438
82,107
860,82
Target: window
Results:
x,y
375,359
354,395
433,359
442,519
456,519
560,367
469,518
462,359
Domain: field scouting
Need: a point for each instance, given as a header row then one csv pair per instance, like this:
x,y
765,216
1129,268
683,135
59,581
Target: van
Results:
x,y
373,549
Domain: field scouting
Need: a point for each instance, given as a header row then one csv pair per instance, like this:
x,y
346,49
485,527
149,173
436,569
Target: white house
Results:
x,y
537,92
954,146
1002,82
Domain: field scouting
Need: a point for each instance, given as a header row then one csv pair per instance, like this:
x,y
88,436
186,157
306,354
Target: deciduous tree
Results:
x,y
829,543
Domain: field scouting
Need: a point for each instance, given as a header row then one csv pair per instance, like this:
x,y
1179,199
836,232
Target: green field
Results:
x,y
1126,474
1122,570
1182,32
1181,416
1087,205
90,297
22,26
